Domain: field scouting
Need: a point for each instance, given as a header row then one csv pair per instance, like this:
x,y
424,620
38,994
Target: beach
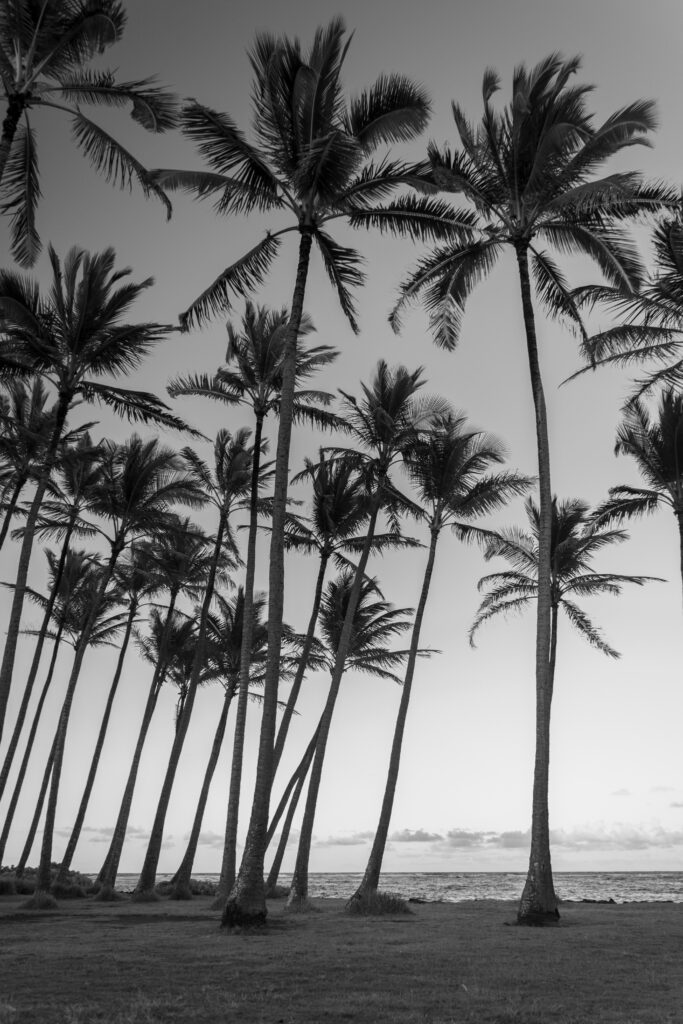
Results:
x,y
127,963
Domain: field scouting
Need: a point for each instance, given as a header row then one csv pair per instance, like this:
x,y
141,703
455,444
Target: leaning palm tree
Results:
x,y
374,623
45,49
71,338
450,469
313,160
528,174
657,447
227,487
141,483
61,516
386,422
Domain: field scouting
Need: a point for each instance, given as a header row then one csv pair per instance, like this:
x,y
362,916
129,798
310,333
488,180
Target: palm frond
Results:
x,y
421,218
136,406
343,269
20,194
394,109
155,109
591,633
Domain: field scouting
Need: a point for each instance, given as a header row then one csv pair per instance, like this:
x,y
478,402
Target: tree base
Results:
x,y
108,894
299,905
145,896
538,918
235,917
181,891
40,900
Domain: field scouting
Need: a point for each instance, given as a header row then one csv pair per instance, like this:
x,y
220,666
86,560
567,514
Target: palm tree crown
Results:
x,y
45,47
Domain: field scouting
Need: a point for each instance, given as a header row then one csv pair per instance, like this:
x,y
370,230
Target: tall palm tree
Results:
x,y
134,582
657,447
528,176
45,49
224,652
74,572
61,516
450,469
141,482
72,337
385,422
226,487
375,621
313,160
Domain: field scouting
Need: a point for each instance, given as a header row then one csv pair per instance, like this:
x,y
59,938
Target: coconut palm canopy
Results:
x,y
202,54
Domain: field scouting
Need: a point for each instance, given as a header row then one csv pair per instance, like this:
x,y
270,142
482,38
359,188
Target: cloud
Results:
x,y
418,835
621,792
584,838
676,803
662,789
216,840
355,839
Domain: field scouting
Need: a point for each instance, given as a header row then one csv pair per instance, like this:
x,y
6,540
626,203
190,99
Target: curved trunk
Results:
x,y
228,867
302,766
43,878
11,505
106,879
302,772
33,827
9,653
33,671
144,890
370,882
90,781
9,817
15,107
679,517
538,904
181,879
301,667
247,903
298,894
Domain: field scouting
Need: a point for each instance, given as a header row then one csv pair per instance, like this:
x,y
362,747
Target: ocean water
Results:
x,y
452,887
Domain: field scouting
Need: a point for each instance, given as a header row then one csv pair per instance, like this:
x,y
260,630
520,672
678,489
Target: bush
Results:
x,y
8,886
376,903
40,901
277,892
68,891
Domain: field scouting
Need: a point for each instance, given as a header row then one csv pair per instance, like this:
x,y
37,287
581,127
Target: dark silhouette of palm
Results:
x,y
45,49
656,444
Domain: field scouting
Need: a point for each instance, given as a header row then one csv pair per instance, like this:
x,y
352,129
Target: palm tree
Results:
x,y
26,428
61,516
140,482
575,539
67,577
374,622
224,647
45,49
449,467
312,159
133,583
71,338
226,488
528,175
657,447
386,422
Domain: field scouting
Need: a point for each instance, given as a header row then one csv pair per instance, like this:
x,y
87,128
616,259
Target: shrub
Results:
x,y
377,903
67,891
8,886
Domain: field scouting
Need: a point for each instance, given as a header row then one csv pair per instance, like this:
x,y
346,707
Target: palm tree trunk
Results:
x,y
679,517
90,781
33,671
368,886
274,873
301,667
11,506
303,766
43,878
181,879
228,868
15,107
33,827
9,653
538,904
9,817
144,890
246,904
298,894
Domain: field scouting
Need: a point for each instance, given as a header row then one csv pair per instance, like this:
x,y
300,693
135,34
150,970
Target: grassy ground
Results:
x,y
168,962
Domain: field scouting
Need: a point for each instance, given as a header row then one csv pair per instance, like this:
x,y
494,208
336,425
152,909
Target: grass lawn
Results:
x,y
169,962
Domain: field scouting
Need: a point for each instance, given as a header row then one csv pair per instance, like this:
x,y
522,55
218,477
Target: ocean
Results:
x,y
453,887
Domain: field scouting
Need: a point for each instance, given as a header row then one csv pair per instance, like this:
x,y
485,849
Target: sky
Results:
x,y
464,796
